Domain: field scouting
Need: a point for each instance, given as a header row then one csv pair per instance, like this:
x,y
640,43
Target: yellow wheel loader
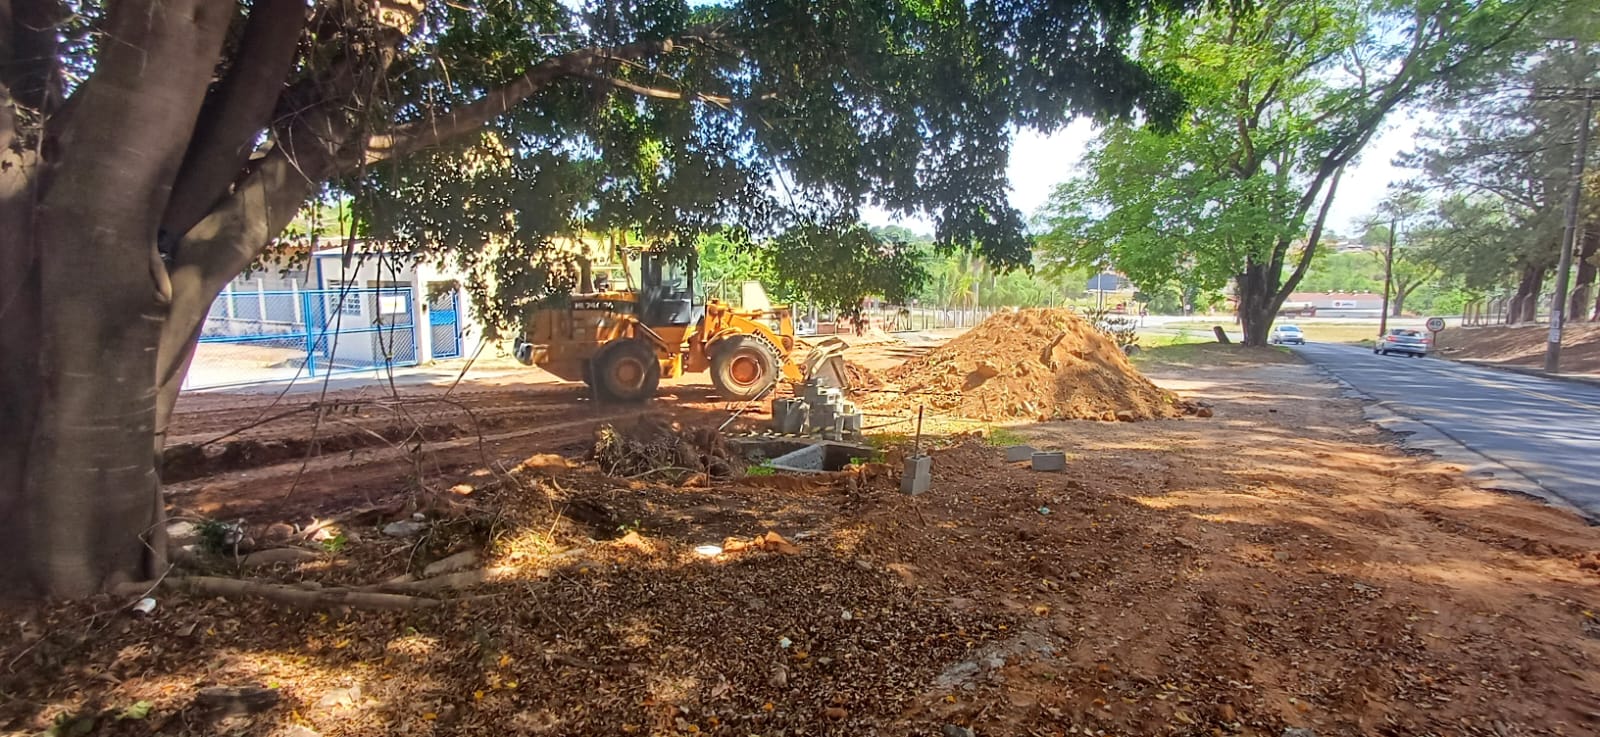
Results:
x,y
622,342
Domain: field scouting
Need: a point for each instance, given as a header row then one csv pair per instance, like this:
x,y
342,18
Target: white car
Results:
x,y
1284,334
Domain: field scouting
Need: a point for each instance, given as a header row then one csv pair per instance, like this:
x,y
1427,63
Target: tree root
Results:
x,y
292,595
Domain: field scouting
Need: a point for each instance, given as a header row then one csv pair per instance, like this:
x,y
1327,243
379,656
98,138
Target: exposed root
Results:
x,y
291,595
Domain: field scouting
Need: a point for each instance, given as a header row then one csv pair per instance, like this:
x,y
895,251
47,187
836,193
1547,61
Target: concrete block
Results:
x,y
850,425
1050,460
789,416
822,418
1017,453
917,475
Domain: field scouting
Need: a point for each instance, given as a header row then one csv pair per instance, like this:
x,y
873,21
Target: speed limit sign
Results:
x,y
1435,324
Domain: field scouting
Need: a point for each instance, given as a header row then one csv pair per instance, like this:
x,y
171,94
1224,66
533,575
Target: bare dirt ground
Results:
x,y
1525,346
1277,566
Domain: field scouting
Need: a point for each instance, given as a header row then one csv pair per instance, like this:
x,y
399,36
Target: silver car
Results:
x,y
1404,341
1287,334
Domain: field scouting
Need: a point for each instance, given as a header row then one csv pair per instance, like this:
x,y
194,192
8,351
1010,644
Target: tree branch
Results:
x,y
1311,243
658,92
29,66
415,136
236,112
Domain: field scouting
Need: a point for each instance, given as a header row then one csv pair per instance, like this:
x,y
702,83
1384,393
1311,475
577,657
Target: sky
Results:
x,y
1040,162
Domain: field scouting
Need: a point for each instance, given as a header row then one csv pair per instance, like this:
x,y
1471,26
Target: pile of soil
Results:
x,y
1043,364
862,377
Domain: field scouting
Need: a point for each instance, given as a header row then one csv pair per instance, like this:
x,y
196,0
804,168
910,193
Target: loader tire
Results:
x,y
626,371
743,367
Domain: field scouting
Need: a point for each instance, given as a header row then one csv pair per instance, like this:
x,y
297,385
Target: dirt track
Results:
x,y
308,454
1277,566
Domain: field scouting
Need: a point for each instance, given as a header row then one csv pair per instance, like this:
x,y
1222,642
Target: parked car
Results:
x,y
1284,334
1414,343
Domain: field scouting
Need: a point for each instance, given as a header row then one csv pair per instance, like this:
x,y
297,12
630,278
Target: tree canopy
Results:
x,y
1283,97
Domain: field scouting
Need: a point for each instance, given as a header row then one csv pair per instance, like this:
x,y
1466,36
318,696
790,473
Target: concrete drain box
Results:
x,y
821,457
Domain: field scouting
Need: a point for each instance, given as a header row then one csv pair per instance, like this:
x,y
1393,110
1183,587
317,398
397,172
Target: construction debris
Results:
x,y
655,445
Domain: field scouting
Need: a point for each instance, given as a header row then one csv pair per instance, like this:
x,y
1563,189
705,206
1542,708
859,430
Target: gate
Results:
x,y
285,335
444,325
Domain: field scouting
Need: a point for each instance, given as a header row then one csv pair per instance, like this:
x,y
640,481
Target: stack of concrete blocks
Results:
x,y
819,410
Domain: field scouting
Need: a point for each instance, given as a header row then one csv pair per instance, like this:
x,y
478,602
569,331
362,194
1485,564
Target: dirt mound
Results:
x,y
656,445
1039,364
862,377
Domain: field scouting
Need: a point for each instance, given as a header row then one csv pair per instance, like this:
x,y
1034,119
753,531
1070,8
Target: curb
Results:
x,y
1481,470
1590,379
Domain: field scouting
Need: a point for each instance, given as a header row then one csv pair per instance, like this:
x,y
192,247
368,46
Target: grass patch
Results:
x,y
1000,436
765,469
1194,355
883,441
1316,332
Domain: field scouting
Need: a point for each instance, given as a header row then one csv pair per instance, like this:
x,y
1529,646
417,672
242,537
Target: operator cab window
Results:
x,y
668,289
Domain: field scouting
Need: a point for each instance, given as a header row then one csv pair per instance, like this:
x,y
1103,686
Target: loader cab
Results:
x,y
666,289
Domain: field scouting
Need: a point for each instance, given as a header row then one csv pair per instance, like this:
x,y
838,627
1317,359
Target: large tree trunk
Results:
x,y
1583,286
1256,303
1524,304
83,494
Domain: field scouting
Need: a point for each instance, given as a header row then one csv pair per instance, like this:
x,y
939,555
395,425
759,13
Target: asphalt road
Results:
x,y
1546,431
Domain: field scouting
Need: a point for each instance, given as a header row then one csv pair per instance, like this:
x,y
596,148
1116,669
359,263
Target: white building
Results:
x,y
326,313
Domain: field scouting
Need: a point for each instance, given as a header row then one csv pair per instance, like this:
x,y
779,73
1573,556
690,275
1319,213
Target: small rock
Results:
x,y
182,532
452,563
1280,556
1298,732
846,615
1362,588
300,730
954,730
277,532
405,528
1203,412
1126,415
1076,576
780,677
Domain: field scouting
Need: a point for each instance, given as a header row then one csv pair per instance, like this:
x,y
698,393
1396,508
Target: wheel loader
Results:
x,y
621,342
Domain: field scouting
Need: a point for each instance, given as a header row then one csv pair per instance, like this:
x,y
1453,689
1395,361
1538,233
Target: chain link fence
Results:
x,y
270,335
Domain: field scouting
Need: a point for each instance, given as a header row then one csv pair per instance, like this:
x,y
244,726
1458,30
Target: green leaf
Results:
x,y
136,710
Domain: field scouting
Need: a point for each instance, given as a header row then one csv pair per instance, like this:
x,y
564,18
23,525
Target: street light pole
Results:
x,y
1569,235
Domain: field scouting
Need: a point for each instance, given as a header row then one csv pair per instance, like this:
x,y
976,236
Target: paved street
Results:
x,y
1546,431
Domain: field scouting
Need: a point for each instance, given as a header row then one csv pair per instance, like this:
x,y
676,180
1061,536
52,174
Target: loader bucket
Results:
x,y
825,363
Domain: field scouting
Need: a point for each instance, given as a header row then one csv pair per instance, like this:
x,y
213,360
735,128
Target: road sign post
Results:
x,y
1435,324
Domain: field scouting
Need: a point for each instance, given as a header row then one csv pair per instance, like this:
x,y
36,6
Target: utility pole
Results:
x,y
1569,234
1388,277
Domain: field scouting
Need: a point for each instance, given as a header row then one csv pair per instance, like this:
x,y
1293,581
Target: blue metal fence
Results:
x,y
270,335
